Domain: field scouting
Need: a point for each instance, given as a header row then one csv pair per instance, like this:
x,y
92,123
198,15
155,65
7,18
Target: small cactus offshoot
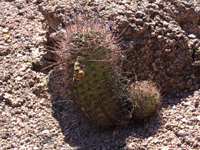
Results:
x,y
146,98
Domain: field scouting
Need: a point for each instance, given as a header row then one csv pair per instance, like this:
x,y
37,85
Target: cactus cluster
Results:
x,y
89,52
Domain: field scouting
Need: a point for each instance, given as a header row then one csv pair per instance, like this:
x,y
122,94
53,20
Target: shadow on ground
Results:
x,y
80,132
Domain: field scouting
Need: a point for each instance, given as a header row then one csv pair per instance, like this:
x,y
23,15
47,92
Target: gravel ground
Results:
x,y
35,114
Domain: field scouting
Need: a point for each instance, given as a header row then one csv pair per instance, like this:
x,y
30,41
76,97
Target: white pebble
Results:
x,y
192,36
5,30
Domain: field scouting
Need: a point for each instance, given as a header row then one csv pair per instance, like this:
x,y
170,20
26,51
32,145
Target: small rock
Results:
x,y
31,83
165,23
5,30
164,148
19,55
131,145
144,144
17,102
192,36
5,135
149,139
41,39
192,109
169,126
168,50
35,52
18,35
4,51
23,69
198,118
129,13
18,79
7,97
153,33
139,14
182,133
155,141
27,139
185,121
160,37
31,114
186,104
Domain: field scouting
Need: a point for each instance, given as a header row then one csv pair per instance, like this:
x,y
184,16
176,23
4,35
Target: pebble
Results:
x,y
186,104
17,102
35,52
164,148
19,55
5,51
18,79
41,39
198,118
7,96
165,23
5,30
24,68
182,133
192,36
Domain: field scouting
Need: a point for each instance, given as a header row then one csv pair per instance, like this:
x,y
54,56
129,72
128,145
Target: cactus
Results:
x,y
146,98
94,91
89,51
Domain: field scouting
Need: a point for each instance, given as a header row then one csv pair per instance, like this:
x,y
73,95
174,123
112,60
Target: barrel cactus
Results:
x,y
146,98
89,52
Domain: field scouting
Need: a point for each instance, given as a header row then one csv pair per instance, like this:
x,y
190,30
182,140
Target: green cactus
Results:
x,y
146,98
88,53
94,54
94,93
